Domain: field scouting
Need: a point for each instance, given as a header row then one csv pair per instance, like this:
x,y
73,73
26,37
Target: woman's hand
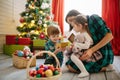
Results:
x,y
86,55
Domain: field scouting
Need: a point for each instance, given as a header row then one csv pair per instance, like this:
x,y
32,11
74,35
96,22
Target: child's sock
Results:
x,y
110,68
64,69
83,74
80,65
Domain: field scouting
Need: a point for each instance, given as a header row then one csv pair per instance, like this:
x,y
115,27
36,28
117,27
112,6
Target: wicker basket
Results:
x,y
21,62
55,77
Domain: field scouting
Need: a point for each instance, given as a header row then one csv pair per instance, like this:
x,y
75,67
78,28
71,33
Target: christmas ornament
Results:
x,y
40,70
40,22
28,35
48,73
56,72
20,53
43,74
45,25
44,5
44,71
38,75
22,20
33,21
42,35
51,67
48,17
37,13
37,67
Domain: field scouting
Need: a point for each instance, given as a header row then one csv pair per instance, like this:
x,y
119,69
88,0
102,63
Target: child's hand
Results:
x,y
63,49
41,54
58,50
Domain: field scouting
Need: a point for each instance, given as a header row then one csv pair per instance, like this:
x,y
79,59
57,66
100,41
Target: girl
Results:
x,y
101,36
82,42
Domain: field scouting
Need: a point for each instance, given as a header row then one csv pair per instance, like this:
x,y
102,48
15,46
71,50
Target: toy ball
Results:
x,y
48,73
20,53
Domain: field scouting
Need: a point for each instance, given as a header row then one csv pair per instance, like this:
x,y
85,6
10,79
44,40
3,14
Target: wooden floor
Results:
x,y
8,72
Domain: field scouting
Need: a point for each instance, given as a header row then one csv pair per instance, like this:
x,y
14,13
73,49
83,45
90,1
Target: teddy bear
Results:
x,y
78,51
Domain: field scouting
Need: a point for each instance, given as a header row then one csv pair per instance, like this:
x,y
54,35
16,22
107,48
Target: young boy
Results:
x,y
53,35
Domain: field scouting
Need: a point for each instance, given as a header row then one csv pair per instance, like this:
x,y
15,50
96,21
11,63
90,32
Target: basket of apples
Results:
x,y
44,72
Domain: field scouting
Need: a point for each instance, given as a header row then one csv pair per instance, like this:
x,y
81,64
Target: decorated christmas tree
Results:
x,y
35,19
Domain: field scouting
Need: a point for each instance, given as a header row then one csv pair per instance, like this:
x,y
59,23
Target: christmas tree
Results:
x,y
35,19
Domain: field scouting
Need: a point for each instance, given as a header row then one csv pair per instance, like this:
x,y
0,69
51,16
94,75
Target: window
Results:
x,y
86,7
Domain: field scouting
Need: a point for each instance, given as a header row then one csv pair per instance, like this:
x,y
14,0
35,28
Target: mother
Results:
x,y
101,36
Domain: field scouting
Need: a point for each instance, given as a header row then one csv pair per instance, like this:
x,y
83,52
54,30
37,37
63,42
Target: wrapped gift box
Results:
x,y
24,41
11,39
10,49
39,43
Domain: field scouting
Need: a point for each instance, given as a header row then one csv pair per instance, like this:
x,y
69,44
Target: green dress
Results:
x,y
50,46
98,30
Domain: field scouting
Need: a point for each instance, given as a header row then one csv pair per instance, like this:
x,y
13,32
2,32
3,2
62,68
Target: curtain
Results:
x,y
111,15
57,11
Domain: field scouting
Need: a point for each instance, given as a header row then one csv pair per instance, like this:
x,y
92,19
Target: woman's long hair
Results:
x,y
70,14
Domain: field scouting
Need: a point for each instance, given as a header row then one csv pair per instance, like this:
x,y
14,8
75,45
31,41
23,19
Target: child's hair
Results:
x,y
82,19
70,14
52,30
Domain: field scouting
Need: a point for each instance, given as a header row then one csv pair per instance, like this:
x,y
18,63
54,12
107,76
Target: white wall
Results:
x,y
9,18
9,15
86,7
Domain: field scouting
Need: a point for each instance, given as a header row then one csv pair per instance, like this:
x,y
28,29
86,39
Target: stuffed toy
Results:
x,y
78,51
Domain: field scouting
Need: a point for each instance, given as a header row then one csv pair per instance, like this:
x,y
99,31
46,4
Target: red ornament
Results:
x,y
22,20
31,73
41,66
42,36
51,67
48,17
40,70
43,74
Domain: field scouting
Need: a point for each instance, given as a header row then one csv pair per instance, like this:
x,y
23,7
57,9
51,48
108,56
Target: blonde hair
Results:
x,y
52,30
